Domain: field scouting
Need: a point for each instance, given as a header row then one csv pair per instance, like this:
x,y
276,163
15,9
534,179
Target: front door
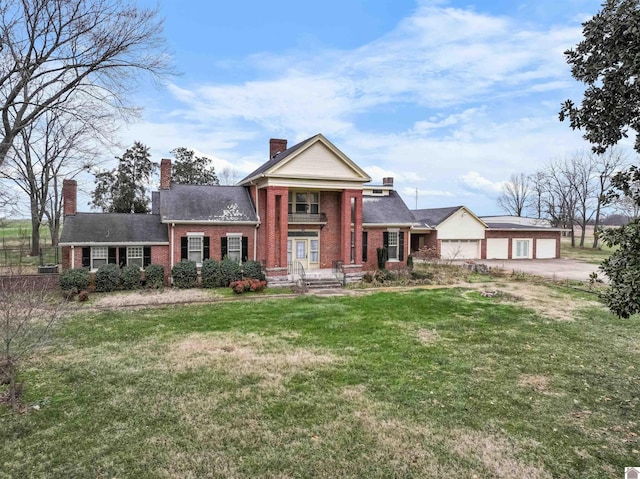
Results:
x,y
301,249
305,250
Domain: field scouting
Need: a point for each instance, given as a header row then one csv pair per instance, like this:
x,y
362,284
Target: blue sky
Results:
x,y
448,97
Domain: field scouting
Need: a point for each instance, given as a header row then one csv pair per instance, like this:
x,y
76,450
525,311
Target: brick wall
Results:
x,y
213,232
375,241
32,282
330,236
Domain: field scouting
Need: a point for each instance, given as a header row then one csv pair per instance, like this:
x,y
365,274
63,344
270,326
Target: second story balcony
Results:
x,y
308,218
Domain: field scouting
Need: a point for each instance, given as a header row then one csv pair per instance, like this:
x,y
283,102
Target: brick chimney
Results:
x,y
387,181
276,146
165,174
69,197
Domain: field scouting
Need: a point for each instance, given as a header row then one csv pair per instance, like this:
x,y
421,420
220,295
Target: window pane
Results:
x,y
301,198
134,262
234,243
195,256
301,249
313,197
313,251
99,262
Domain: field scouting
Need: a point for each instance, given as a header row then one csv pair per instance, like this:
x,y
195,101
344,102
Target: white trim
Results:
x,y
388,225
73,257
195,233
234,234
210,222
115,244
173,244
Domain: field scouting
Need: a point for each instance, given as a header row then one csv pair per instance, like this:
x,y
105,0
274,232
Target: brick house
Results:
x,y
308,205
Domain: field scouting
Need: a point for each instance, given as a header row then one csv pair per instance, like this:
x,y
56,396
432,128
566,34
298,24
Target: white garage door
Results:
x,y
545,248
460,249
498,248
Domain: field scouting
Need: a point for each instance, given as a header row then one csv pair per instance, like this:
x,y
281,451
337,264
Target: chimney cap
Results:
x,y
388,181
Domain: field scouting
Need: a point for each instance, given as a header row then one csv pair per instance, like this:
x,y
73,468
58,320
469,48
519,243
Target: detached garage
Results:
x,y
517,241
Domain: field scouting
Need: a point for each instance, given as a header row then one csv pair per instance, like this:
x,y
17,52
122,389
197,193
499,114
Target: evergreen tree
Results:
x,y
124,189
189,169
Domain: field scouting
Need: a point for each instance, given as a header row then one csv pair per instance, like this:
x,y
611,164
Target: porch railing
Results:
x,y
295,268
338,271
307,218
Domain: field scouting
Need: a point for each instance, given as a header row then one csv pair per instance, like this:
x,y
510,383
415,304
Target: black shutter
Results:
x,y
112,256
86,257
146,256
401,246
122,256
365,240
184,245
385,240
245,249
205,247
223,247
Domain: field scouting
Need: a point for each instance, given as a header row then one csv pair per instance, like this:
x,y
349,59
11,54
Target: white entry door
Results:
x,y
301,252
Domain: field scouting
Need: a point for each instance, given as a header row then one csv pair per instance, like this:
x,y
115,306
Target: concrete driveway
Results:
x,y
551,268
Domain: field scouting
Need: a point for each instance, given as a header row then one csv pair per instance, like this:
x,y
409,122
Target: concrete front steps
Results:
x,y
321,279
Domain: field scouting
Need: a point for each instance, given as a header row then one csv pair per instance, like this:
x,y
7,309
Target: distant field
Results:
x,y
586,254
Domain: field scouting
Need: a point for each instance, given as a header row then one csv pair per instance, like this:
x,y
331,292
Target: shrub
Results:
x,y
185,274
131,277
211,274
154,276
108,278
410,262
245,285
383,256
83,295
75,278
253,270
230,271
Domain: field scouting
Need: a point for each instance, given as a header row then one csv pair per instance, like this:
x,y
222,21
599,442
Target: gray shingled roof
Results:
x,y
113,228
433,216
276,159
386,210
216,204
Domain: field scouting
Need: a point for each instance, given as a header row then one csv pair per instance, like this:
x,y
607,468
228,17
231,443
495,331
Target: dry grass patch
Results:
x,y
547,302
150,297
428,336
534,381
238,355
497,454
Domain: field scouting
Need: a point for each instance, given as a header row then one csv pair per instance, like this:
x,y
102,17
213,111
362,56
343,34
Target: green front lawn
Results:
x,y
422,383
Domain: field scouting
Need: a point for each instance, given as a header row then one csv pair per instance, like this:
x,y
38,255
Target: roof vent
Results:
x,y
387,181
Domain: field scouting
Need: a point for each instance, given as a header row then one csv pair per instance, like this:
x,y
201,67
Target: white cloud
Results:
x,y
475,182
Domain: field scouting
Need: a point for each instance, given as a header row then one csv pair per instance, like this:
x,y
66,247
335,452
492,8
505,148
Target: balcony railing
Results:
x,y
307,218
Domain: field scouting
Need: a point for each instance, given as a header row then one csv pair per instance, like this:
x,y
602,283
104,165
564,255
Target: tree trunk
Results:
x,y
5,146
596,225
35,228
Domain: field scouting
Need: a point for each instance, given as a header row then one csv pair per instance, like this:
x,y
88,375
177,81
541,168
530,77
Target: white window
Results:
x,y
313,250
135,256
393,246
304,202
99,256
234,248
194,252
289,245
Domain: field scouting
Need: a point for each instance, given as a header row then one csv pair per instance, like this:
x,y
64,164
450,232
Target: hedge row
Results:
x,y
110,277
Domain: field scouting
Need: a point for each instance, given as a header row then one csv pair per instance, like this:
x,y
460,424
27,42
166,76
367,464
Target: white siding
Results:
x,y
545,248
317,161
461,225
498,248
456,249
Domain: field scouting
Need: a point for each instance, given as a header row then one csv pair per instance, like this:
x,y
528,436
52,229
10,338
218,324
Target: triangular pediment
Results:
x,y
318,159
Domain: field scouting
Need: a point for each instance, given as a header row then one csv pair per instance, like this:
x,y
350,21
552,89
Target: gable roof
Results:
x,y
113,228
290,153
389,210
432,217
207,204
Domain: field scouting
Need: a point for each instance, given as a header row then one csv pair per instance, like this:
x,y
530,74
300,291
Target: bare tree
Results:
x,y
560,199
54,146
579,171
539,190
515,194
28,311
229,176
607,164
53,50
